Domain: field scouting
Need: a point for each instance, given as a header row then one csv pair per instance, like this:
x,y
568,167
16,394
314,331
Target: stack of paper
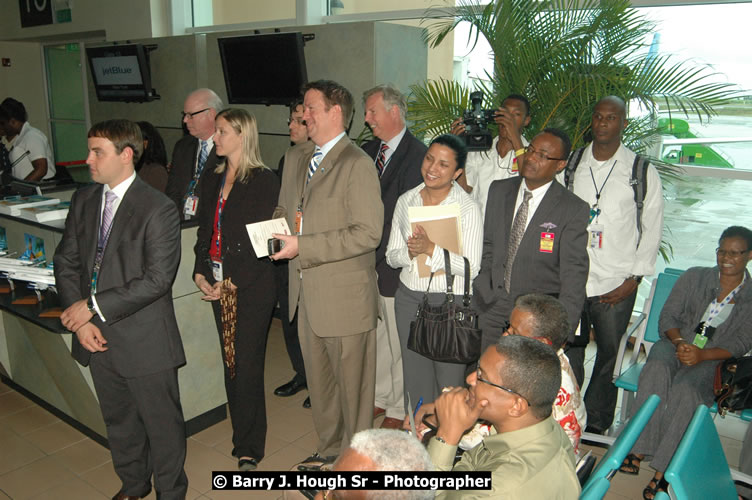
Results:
x,y
46,213
443,225
13,206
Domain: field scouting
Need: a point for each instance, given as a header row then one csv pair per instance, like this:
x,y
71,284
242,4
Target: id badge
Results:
x,y
191,203
595,236
298,222
217,270
547,242
700,341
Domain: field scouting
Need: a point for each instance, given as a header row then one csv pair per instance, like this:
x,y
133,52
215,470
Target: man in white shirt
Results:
x,y
619,256
501,161
29,151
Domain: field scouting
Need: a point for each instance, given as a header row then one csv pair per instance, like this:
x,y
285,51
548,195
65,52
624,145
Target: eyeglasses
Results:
x,y
720,252
540,155
507,389
191,115
297,121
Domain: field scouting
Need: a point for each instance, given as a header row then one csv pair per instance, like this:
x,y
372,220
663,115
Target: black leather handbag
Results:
x,y
733,385
447,332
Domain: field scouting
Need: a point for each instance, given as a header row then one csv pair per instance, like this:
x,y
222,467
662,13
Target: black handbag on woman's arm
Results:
x,y
447,332
733,384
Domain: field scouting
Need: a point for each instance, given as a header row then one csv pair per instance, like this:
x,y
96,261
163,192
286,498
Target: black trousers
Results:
x,y
245,392
145,428
609,324
289,328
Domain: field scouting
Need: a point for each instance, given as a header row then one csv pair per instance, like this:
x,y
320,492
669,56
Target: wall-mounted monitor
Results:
x,y
263,69
121,73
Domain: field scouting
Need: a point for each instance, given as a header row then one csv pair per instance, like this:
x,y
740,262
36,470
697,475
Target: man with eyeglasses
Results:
x,y
298,135
514,388
621,251
193,154
533,239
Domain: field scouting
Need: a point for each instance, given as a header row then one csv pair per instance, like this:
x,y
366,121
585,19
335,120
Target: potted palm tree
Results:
x,y
564,55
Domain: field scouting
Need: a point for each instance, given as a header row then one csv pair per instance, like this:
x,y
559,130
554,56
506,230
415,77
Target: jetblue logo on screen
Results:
x,y
116,70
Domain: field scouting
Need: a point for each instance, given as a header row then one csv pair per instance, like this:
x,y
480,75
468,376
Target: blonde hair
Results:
x,y
244,124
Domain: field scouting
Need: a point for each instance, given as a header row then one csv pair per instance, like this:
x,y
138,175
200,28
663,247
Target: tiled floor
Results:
x,y
41,457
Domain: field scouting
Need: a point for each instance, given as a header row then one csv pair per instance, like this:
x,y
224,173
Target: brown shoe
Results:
x,y
391,423
378,411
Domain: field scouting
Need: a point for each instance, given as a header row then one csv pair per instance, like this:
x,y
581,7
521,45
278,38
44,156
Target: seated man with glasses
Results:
x,y
534,239
514,388
193,154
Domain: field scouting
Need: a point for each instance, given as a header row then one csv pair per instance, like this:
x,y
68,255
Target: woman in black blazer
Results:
x,y
241,190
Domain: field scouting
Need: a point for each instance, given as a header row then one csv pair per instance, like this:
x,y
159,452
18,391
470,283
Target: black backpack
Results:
x,y
638,181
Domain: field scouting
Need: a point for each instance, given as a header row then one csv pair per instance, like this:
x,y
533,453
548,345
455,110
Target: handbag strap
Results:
x,y
466,296
449,276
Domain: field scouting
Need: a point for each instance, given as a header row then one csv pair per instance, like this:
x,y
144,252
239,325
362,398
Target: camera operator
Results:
x,y
501,161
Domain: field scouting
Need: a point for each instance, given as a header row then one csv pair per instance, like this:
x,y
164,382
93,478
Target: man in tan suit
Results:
x,y
332,201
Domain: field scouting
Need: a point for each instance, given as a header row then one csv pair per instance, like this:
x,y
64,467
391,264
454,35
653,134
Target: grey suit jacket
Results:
x,y
562,272
342,222
134,289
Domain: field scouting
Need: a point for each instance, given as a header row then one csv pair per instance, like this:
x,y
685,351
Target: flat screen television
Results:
x,y
263,69
121,73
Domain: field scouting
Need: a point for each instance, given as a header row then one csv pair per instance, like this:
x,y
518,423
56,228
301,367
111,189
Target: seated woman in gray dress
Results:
x,y
705,320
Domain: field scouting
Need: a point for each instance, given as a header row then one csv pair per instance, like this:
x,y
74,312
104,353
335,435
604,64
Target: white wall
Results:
x,y
24,80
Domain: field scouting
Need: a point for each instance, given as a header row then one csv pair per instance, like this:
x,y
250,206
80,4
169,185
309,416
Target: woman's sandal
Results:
x,y
631,465
654,486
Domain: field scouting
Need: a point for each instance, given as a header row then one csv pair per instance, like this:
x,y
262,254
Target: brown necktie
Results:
x,y
515,236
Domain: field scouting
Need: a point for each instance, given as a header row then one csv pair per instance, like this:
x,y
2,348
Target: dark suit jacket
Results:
x,y
562,273
134,290
342,224
252,201
402,174
181,170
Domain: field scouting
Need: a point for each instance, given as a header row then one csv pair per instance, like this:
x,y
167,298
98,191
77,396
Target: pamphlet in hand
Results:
x,y
261,232
442,224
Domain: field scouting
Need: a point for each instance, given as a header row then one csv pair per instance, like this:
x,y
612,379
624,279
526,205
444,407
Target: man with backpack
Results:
x,y
624,235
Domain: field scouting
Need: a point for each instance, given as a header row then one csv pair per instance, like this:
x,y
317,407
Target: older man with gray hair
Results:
x,y
382,450
193,154
397,156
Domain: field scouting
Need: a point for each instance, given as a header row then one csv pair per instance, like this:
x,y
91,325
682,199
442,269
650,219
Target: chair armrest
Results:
x,y
641,317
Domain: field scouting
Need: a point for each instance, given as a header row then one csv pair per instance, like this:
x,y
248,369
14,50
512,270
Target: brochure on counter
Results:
x,y
14,204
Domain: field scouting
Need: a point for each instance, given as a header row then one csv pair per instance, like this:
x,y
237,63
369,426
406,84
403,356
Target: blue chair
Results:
x,y
613,459
699,468
647,336
596,489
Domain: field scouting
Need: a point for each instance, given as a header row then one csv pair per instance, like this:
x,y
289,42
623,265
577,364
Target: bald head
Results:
x,y
616,102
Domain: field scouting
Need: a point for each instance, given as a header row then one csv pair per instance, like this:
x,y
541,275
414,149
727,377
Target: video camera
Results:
x,y
476,120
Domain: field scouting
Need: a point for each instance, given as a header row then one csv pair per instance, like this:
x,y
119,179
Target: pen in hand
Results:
x,y
417,407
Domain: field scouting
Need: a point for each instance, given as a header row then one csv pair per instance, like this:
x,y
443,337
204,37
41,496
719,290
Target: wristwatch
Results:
x,y
636,278
90,305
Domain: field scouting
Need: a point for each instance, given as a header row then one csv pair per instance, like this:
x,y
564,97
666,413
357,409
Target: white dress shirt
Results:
x,y
534,202
620,257
484,167
397,254
119,191
392,143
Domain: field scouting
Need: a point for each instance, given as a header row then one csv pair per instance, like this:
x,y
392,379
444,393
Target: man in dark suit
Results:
x,y
398,156
330,197
114,269
534,239
193,154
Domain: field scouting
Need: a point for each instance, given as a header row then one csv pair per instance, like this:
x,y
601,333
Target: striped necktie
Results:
x,y
202,156
381,159
515,237
314,164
